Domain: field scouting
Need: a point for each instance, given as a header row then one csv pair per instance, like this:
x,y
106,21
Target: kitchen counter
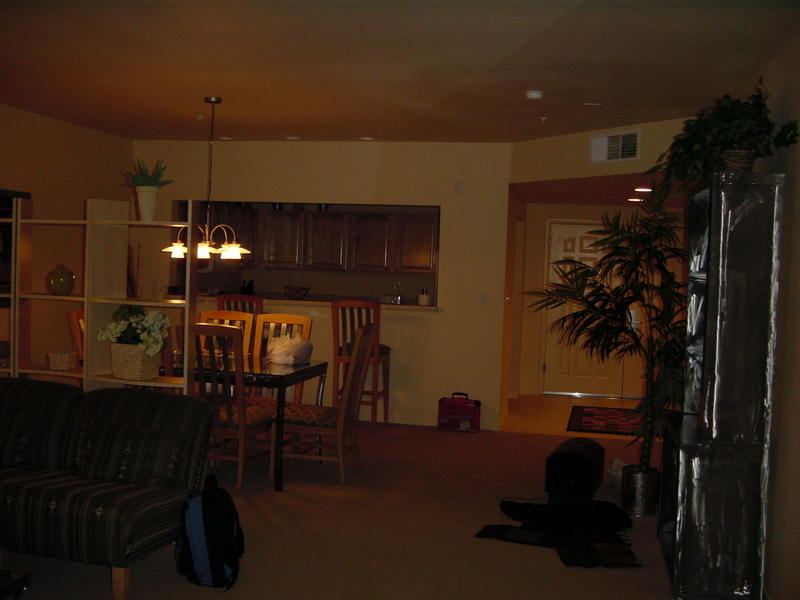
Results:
x,y
322,300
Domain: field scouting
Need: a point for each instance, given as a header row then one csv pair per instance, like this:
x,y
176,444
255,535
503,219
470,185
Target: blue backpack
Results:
x,y
210,541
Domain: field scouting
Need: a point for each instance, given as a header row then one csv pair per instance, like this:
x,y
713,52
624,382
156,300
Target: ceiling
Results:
x,y
396,70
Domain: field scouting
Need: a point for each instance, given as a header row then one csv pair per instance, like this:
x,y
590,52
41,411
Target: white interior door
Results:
x,y
568,369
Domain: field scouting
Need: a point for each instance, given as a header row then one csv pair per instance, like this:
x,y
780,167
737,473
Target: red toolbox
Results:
x,y
459,412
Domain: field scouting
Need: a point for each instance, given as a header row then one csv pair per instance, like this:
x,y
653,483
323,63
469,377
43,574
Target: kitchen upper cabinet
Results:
x,y
242,218
416,243
326,241
369,242
346,240
246,227
282,239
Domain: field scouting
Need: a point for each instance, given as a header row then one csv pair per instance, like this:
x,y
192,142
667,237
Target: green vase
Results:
x,y
60,280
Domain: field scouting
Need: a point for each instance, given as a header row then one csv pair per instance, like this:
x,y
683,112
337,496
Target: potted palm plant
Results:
x,y
727,136
146,183
630,303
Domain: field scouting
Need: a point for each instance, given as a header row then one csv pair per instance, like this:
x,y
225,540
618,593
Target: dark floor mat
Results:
x,y
583,536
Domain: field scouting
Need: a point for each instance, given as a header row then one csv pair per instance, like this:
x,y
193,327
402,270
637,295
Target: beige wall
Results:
x,y
782,79
568,156
433,353
60,165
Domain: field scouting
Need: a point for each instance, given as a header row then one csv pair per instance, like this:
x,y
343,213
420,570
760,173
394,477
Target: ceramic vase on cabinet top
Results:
x,y
60,280
146,196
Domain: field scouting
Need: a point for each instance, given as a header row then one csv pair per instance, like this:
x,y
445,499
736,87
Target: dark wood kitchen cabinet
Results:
x,y
416,243
369,238
282,239
326,241
345,240
242,219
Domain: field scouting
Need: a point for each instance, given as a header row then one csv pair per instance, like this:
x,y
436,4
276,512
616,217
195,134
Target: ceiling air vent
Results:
x,y
617,146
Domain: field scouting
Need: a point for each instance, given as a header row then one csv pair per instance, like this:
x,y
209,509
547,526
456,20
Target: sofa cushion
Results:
x,y
128,435
127,454
63,515
36,420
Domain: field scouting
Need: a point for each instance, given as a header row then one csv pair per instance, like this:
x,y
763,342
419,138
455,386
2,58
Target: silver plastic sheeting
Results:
x,y
723,446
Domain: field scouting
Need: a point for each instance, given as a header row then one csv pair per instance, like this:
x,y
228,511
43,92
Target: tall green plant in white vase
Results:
x,y
146,183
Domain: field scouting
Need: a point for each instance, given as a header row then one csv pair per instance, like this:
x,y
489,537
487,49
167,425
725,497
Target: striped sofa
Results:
x,y
97,477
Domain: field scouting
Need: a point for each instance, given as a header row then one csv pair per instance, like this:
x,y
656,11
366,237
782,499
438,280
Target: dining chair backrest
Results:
x,y
219,371
348,316
318,424
272,325
239,431
243,320
172,351
356,375
241,302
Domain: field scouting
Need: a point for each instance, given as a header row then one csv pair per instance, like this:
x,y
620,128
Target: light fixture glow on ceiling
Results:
x,y
534,94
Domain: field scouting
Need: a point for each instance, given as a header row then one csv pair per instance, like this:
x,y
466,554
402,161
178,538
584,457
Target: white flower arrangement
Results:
x,y
134,325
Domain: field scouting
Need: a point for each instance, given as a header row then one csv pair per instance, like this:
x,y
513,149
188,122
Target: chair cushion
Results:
x,y
304,414
63,515
128,454
127,435
256,412
36,421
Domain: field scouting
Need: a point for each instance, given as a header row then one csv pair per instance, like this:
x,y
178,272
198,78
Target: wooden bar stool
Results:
x,y
241,302
347,316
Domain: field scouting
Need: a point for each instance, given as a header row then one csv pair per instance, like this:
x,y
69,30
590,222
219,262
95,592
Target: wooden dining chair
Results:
x,y
242,428
77,330
272,325
244,320
241,302
172,352
347,317
328,433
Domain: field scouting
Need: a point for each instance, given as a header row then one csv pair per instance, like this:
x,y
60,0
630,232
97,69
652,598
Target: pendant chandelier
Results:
x,y
228,248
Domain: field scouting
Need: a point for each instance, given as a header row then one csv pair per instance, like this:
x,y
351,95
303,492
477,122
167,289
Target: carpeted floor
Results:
x,y
402,529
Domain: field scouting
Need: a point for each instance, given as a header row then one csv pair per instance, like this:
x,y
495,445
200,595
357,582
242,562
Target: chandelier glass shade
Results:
x,y
227,247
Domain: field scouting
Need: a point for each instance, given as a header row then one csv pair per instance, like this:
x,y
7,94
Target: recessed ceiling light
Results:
x,y
643,189
225,138
292,137
635,199
366,138
534,94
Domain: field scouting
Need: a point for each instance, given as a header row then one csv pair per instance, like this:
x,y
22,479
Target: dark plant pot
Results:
x,y
739,161
640,490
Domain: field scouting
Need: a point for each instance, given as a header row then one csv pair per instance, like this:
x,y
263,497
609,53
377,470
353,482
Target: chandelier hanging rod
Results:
x,y
229,249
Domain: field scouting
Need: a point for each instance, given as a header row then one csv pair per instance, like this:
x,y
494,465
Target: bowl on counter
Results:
x,y
295,292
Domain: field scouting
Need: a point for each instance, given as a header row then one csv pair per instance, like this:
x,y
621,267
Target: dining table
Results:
x,y
268,374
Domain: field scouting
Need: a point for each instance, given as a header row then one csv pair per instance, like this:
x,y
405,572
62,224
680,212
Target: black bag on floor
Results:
x,y
210,541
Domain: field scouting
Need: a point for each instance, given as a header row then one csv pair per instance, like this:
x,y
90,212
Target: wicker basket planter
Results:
x,y
129,361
